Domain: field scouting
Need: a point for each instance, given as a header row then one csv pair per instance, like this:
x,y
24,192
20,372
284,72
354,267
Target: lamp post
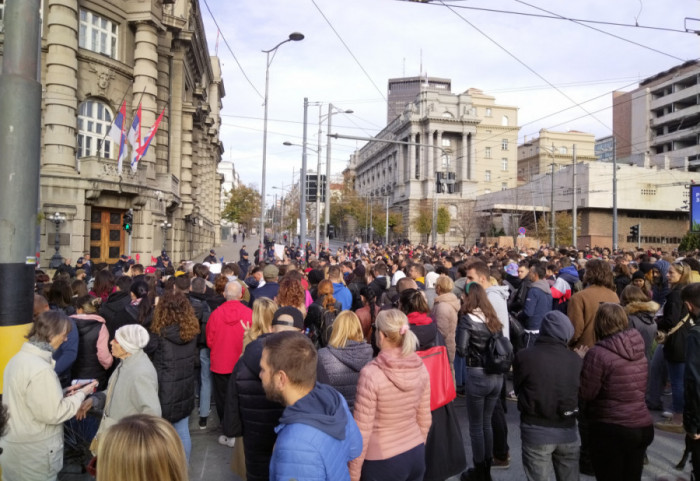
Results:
x,y
293,37
282,202
57,218
552,228
327,217
165,226
303,188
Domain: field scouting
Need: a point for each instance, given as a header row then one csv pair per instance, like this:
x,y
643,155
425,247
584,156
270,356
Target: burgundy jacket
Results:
x,y
614,380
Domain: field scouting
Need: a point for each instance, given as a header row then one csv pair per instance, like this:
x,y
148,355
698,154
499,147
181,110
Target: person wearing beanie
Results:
x,y
132,388
546,381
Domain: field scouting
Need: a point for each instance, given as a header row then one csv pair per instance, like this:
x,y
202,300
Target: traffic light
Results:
x,y
634,232
128,221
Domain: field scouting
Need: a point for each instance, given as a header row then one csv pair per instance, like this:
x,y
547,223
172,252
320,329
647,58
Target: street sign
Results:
x,y
521,231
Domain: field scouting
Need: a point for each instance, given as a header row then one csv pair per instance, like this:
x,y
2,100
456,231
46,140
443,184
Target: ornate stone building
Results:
x,y
96,55
456,147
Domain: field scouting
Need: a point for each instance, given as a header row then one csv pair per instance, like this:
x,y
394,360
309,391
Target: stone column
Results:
x,y
61,83
411,151
145,78
430,164
463,167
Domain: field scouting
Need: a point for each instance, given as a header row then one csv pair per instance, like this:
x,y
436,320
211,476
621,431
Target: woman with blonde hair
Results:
x,y
319,319
446,313
263,311
141,448
340,362
392,406
174,331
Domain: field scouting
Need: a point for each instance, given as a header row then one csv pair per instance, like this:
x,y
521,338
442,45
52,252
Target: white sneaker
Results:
x,y
230,442
667,415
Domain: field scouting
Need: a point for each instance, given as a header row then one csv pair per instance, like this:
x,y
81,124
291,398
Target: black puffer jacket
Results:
x,y
174,360
112,308
202,311
471,340
250,414
340,368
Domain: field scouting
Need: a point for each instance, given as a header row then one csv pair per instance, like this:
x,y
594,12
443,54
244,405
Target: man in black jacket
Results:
x,y
247,411
546,380
690,295
115,304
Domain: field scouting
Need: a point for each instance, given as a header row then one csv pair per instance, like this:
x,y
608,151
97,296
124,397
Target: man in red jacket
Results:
x,y
225,331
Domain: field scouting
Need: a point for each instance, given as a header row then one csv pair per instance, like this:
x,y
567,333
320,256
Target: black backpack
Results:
x,y
327,320
498,356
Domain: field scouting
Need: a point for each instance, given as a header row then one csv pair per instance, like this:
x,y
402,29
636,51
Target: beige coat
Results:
x,y
446,313
582,309
33,446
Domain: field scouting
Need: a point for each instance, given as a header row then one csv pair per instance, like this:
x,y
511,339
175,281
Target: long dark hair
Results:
x,y
141,291
412,300
475,298
104,283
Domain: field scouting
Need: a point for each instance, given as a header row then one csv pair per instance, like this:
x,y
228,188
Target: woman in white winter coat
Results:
x,y
33,446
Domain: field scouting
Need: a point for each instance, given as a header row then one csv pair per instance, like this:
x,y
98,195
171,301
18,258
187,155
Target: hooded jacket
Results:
x,y
112,308
174,360
561,290
342,295
641,317
250,414
537,304
94,357
225,331
546,380
446,313
498,297
340,367
316,438
614,381
392,407
661,290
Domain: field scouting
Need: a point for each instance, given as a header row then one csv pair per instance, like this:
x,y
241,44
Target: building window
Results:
x,y
487,176
98,34
562,150
487,191
504,185
445,142
488,112
487,152
2,8
504,144
504,164
504,121
94,120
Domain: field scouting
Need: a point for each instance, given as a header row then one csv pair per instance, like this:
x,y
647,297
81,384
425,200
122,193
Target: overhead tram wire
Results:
x,y
231,51
348,49
602,31
526,14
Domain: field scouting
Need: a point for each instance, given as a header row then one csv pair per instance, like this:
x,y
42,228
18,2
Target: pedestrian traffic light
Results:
x,y
634,232
128,221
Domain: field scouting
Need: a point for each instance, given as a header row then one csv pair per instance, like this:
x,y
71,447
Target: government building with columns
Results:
x,y
454,148
96,55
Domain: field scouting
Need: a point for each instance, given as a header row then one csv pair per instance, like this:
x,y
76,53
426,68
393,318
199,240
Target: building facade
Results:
x,y
536,156
454,148
95,56
658,123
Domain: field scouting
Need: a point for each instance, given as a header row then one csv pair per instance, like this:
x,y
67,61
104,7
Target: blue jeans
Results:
x,y
675,373
538,460
657,379
482,394
182,427
460,366
204,383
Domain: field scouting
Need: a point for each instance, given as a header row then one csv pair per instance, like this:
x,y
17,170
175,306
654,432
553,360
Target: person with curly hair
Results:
x,y
175,329
292,293
323,310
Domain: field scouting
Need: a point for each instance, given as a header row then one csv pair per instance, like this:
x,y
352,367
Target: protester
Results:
x,y
94,359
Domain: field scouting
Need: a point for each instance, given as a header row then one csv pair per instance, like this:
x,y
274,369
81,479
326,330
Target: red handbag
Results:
x,y
442,386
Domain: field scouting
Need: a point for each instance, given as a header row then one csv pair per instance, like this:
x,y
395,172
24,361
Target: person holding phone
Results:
x,y
33,447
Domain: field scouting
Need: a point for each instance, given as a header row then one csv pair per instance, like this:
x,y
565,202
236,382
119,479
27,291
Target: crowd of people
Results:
x,y
316,367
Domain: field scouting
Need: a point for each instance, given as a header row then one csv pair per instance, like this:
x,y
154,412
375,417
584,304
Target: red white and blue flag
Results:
x,y
134,138
117,132
149,137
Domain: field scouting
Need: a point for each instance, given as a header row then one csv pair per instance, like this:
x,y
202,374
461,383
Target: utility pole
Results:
x,y
302,184
614,226
386,230
20,134
552,237
574,209
317,246
639,235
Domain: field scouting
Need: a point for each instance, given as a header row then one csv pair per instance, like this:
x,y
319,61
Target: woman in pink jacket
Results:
x,y
392,407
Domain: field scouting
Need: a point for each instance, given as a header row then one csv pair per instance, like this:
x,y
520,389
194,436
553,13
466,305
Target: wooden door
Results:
x,y
107,237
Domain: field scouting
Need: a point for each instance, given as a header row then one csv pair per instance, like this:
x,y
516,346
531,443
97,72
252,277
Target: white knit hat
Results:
x,y
132,337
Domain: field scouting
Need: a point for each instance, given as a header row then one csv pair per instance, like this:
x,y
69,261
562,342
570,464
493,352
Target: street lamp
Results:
x,y
328,168
552,238
57,218
293,37
165,226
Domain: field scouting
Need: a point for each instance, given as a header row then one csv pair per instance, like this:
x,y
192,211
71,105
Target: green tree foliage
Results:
x,y
443,220
690,242
379,223
243,206
423,222
564,231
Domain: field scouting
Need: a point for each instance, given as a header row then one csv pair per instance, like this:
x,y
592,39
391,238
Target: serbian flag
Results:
x,y
134,137
149,136
117,132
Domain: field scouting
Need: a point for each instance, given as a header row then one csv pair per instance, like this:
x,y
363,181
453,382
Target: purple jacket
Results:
x,y
614,380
